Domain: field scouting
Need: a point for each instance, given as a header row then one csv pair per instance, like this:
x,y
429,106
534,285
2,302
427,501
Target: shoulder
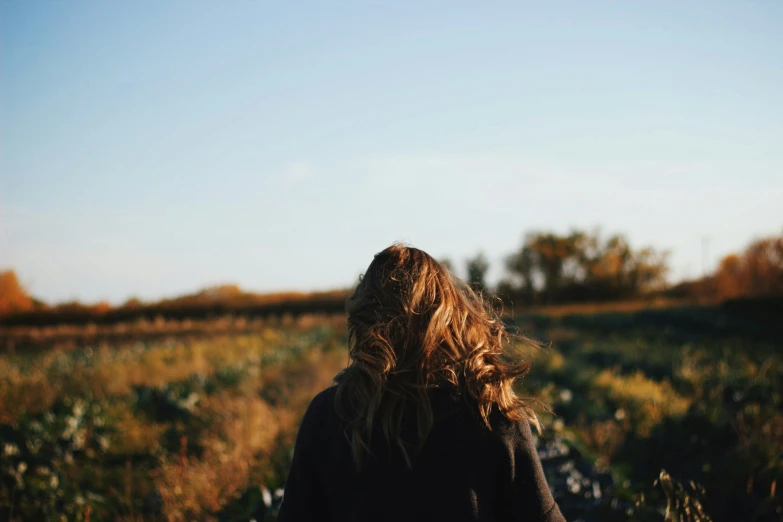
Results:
x,y
316,421
513,435
324,399
321,408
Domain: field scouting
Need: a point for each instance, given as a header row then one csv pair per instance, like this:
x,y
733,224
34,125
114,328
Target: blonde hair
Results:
x,y
413,326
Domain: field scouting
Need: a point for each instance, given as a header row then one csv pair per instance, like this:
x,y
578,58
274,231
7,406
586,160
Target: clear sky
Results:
x,y
152,148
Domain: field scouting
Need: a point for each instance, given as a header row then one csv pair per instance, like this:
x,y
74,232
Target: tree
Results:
x,y
520,266
544,265
446,262
758,271
132,303
477,267
13,296
580,266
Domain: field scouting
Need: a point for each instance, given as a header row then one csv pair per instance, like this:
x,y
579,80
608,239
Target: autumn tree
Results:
x,y
133,303
758,271
13,296
581,266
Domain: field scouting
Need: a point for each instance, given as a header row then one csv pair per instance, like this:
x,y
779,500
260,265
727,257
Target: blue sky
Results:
x,y
153,148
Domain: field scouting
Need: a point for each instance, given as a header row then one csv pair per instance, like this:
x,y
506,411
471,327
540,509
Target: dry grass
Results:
x,y
32,384
245,434
250,392
683,503
608,395
643,401
197,488
607,307
69,337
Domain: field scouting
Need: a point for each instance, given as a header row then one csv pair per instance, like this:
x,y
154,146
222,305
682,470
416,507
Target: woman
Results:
x,y
424,423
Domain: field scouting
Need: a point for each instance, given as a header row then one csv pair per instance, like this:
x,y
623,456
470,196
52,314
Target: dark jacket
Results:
x,y
463,472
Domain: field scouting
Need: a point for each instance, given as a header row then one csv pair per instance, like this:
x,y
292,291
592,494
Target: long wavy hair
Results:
x,y
412,326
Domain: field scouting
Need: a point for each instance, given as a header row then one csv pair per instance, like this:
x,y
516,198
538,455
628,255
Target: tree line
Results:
x,y
755,272
547,268
212,302
580,266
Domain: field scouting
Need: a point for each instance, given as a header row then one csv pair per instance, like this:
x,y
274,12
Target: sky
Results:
x,y
152,148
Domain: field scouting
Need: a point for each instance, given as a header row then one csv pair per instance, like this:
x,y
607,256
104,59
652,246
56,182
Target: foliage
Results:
x,y
13,296
184,428
758,271
175,430
40,458
698,392
477,267
580,266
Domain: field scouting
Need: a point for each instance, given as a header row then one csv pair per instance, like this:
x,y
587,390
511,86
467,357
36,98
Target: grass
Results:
x,y
690,391
201,427
190,425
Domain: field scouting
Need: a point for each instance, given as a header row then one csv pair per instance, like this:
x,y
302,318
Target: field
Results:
x,y
200,425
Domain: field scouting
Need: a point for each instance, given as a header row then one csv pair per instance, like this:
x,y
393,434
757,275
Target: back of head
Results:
x,y
413,326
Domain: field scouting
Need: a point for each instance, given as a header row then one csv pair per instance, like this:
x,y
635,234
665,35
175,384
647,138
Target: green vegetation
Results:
x,y
697,392
172,430
201,428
